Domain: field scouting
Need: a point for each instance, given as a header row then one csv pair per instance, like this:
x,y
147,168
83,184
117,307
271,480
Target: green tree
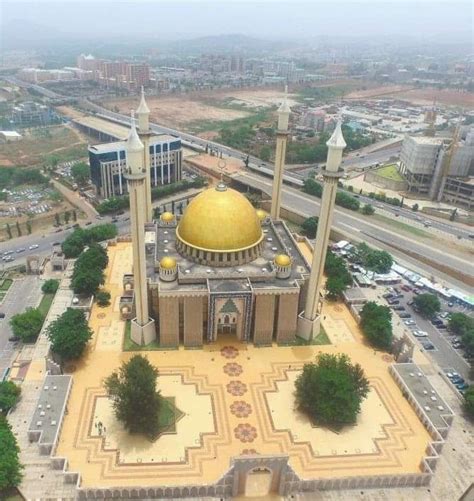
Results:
x,y
136,401
103,298
312,187
460,323
368,210
9,232
347,201
81,172
69,334
74,215
18,229
468,404
335,286
468,341
331,390
265,153
87,281
9,395
28,227
67,217
415,207
428,304
376,324
50,286
374,260
27,325
310,226
56,219
336,267
10,466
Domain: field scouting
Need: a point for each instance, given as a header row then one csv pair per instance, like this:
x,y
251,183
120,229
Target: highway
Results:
x,y
361,228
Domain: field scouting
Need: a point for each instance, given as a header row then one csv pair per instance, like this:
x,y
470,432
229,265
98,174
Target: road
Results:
x,y
23,293
364,229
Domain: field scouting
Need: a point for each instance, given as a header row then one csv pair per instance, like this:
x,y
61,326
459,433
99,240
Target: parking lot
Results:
x,y
28,201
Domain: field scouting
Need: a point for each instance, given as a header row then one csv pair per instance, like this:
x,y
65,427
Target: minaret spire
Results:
x,y
143,113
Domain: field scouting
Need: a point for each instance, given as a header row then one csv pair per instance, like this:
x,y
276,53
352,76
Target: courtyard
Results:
x,y
233,399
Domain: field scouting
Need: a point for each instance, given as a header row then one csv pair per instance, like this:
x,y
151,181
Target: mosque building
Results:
x,y
221,268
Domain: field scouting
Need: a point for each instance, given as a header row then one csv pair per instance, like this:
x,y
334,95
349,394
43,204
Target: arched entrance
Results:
x,y
258,482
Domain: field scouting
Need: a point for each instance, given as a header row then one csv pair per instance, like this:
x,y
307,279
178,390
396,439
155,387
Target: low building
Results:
x,y
108,162
7,136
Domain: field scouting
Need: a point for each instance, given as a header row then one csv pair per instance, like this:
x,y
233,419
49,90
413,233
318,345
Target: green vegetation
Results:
x,y
14,176
373,260
9,395
381,197
330,391
255,118
376,324
463,325
368,210
403,226
50,286
45,304
10,466
6,284
115,204
74,244
103,298
310,226
343,199
427,304
135,399
88,274
321,338
27,325
390,172
303,153
312,187
338,275
468,404
81,172
69,334
129,345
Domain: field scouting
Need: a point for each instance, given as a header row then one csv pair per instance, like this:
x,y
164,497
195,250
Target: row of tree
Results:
x,y
338,276
75,243
88,274
372,259
345,200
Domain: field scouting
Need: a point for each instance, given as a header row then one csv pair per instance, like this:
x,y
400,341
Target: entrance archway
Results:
x,y
258,482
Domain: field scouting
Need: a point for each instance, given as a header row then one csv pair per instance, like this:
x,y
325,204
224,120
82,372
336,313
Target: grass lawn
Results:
x,y
5,285
402,226
321,338
129,345
2,296
390,172
45,304
169,415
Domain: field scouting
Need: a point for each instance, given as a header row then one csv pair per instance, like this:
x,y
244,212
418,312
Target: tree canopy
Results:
x,y
69,334
374,260
428,304
74,244
468,404
330,391
338,275
10,466
81,172
335,286
310,226
88,274
135,399
103,298
9,395
27,325
368,210
376,324
50,286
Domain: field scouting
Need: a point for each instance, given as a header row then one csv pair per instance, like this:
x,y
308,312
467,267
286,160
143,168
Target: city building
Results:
x,y
440,169
108,161
28,114
7,136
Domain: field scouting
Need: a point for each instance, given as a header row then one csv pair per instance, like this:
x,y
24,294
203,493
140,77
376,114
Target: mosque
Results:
x,y
222,267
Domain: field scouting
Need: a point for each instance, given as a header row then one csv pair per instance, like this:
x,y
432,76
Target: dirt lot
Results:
x,y
37,146
181,111
422,97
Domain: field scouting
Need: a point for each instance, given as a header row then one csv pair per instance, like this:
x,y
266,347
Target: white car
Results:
x,y
34,246
420,333
409,322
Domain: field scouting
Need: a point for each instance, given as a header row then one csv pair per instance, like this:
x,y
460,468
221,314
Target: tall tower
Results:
x,y
309,320
282,138
144,132
143,328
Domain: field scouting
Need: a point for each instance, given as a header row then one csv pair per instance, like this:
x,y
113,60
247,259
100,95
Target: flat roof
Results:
x,y
426,396
427,140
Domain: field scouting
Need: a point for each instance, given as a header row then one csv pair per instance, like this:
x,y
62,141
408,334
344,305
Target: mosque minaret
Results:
x,y
144,132
281,141
309,320
142,326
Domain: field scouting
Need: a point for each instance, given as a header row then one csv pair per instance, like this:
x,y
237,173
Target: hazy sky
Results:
x,y
275,19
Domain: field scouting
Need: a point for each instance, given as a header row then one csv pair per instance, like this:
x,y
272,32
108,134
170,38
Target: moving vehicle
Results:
x,y
420,333
33,247
21,249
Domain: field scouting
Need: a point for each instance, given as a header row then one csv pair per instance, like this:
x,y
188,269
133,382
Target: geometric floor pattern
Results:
x,y
235,399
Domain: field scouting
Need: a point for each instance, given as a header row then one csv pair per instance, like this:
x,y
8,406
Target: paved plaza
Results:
x,y
236,399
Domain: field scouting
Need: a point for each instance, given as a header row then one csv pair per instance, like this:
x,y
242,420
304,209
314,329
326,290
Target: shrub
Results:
x,y
27,325
9,395
103,298
50,286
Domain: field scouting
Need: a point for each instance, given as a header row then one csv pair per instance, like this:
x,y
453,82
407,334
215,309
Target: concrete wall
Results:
x,y
169,322
373,177
264,319
193,321
287,318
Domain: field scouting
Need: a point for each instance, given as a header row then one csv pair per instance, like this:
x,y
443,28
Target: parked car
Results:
x,y
416,291
462,387
14,339
457,380
420,333
410,302
406,288
427,345
409,322
2,315
398,308
404,315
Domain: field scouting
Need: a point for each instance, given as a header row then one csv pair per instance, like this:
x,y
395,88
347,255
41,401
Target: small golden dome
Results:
x,y
168,263
261,214
220,219
282,260
167,217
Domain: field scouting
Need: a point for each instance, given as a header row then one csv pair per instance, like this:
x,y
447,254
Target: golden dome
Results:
x,y
261,214
220,219
282,260
167,217
168,263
